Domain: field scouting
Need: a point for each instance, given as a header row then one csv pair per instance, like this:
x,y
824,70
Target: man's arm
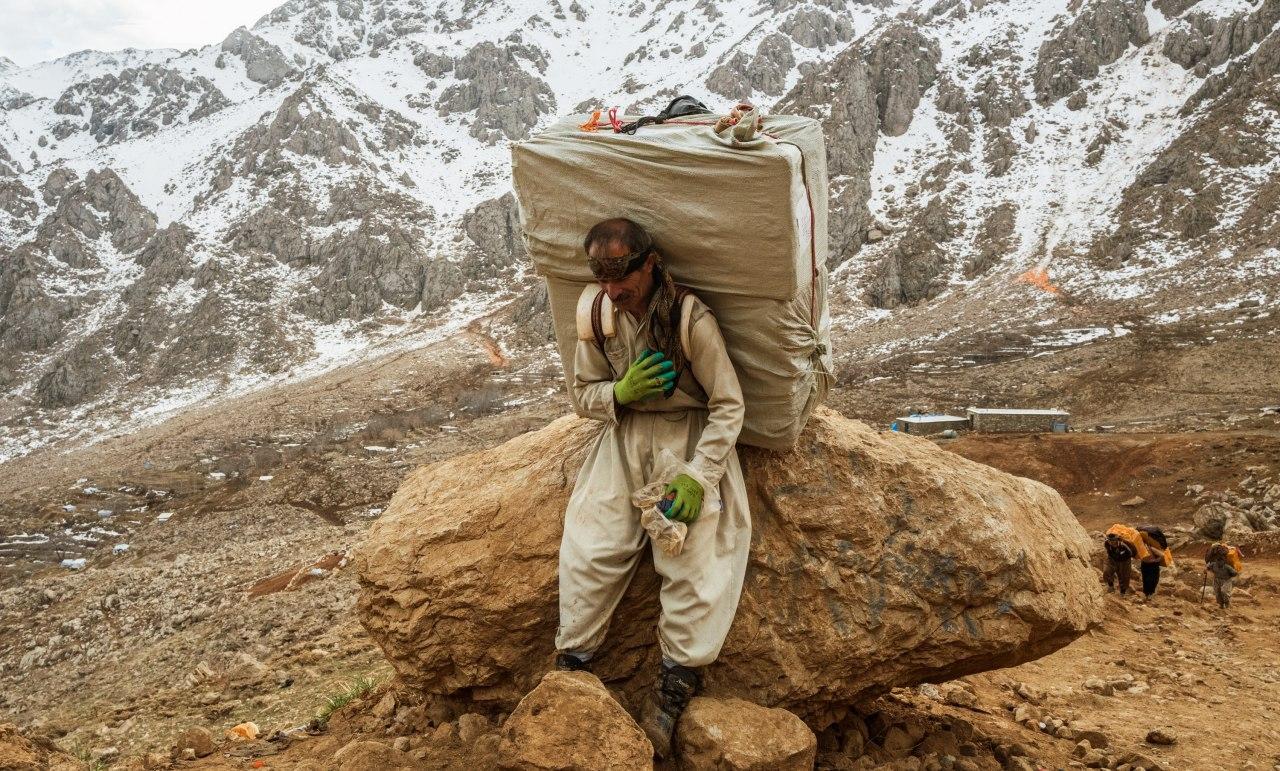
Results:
x,y
714,371
593,383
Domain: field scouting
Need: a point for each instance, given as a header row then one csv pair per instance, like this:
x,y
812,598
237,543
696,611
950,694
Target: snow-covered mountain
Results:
x,y
178,225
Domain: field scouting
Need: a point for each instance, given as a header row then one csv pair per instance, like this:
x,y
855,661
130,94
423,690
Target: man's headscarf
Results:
x,y
664,329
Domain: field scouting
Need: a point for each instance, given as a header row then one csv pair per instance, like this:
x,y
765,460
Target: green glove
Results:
x,y
646,378
687,506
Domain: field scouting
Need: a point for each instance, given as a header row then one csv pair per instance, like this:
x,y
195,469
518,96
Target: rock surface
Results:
x,y
20,752
198,740
736,735
360,755
1098,35
877,561
571,722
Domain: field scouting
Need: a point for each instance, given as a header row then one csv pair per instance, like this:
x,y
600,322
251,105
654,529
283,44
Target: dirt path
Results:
x,y
1210,678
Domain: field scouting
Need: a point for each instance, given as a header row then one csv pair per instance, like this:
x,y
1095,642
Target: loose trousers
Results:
x,y
603,542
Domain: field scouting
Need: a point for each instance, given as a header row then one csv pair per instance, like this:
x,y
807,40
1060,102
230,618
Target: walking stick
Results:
x,y
1204,581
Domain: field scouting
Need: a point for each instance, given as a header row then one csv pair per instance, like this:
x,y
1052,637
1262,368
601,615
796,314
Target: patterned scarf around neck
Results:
x,y
663,329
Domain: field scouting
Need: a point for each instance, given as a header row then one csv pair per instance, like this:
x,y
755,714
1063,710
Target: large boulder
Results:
x,y
571,723
877,560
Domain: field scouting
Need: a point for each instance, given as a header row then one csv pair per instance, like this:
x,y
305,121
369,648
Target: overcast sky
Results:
x,y
36,30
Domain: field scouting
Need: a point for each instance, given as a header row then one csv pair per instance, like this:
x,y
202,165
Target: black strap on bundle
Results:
x,y
679,107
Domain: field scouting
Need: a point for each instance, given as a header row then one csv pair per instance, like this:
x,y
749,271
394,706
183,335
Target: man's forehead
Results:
x,y
609,248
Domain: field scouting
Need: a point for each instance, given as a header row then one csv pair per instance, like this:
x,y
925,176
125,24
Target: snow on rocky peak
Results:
x,y
180,225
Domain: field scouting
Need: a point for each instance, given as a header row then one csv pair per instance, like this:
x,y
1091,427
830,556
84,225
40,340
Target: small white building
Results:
x,y
930,424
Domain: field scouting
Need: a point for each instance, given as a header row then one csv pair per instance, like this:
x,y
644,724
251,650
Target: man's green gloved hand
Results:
x,y
687,506
647,377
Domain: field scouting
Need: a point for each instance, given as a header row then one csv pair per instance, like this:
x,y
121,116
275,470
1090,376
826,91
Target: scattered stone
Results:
x,y
1138,760
1136,500
361,755
737,735
471,726
197,740
1025,714
1162,736
958,695
569,721
386,706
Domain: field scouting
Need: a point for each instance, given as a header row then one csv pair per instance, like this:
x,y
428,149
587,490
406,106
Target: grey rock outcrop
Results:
x,y
951,98
915,267
816,28
766,72
30,319
1076,51
264,62
995,239
841,95
999,99
531,317
1248,74
1173,8
15,197
139,100
85,210
374,264
13,98
507,99
871,86
57,183
72,378
494,227
433,64
1001,148
902,64
302,125
1201,37
1181,186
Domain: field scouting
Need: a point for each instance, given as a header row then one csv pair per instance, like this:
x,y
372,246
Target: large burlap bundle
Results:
x,y
744,227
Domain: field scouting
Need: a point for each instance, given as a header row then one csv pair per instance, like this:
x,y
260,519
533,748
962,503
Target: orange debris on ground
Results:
x,y
1039,277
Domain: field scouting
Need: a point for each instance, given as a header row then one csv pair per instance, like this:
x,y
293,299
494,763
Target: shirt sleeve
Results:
x,y
714,371
593,384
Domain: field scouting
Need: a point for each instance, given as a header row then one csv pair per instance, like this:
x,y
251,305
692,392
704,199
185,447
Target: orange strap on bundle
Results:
x,y
593,123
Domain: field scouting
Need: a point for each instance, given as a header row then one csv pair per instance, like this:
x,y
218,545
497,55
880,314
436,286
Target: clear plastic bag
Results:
x,y
667,533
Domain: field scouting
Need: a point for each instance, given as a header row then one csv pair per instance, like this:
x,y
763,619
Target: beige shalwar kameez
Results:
x,y
603,538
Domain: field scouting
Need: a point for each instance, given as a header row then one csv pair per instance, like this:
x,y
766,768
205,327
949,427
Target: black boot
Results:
x,y
567,662
662,709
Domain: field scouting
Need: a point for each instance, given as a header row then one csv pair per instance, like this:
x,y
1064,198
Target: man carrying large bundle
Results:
x,y
650,363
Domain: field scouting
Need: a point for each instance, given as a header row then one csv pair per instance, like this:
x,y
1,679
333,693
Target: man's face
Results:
x,y
632,291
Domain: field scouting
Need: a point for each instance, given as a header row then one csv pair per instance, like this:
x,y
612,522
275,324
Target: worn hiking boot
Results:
x,y
662,709
567,662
